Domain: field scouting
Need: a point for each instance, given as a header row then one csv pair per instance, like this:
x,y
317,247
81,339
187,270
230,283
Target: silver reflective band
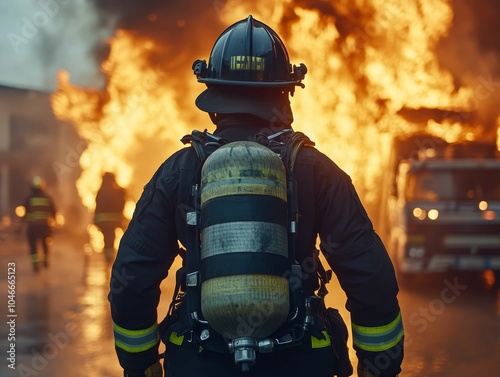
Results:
x,y
191,218
192,279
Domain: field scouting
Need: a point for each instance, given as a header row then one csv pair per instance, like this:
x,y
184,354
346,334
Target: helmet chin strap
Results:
x,y
283,120
213,118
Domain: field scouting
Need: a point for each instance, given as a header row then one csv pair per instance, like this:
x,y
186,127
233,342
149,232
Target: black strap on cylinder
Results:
x,y
243,263
244,207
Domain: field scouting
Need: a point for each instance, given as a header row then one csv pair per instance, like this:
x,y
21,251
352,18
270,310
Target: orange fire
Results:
x,y
358,81
355,87
125,125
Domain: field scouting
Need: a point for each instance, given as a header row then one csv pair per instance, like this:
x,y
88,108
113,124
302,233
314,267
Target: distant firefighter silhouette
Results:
x,y
40,215
110,202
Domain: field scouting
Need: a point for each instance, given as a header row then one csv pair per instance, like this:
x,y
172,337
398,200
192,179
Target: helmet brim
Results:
x,y
269,105
290,85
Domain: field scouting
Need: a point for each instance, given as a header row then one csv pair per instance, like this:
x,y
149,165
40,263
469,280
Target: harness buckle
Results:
x,y
192,279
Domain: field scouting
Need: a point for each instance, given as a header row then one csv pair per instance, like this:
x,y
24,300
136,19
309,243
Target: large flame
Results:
x,y
367,61
359,81
130,127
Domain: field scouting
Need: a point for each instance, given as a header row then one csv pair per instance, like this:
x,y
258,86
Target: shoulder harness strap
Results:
x,y
187,277
204,143
287,144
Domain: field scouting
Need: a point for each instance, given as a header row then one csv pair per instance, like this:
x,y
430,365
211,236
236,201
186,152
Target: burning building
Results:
x,y
377,70
33,143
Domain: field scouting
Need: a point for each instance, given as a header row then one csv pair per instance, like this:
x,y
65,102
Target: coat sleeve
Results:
x,y
146,252
359,259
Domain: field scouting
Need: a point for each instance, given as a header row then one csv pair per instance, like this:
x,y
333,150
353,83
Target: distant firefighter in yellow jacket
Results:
x,y
40,216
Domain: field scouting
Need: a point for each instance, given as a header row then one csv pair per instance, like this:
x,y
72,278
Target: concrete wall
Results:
x,y
33,142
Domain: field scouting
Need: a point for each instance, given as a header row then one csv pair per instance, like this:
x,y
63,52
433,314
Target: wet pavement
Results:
x,y
452,325
62,326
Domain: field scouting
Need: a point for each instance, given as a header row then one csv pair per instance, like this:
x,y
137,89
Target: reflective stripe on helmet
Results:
x,y
134,341
378,338
250,63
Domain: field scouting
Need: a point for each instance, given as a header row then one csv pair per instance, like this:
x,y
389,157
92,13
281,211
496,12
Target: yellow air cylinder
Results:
x,y
244,241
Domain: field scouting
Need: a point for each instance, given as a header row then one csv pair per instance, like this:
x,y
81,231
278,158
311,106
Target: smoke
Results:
x,y
73,38
471,52
182,29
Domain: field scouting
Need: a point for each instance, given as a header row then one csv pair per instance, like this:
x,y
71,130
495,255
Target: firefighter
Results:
x,y
40,218
249,80
110,203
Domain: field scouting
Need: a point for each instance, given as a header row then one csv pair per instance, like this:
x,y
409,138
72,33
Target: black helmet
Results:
x,y
251,54
249,72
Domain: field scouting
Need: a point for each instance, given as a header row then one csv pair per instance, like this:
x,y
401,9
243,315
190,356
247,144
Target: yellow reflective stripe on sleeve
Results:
x,y
321,343
38,215
176,339
378,338
135,340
